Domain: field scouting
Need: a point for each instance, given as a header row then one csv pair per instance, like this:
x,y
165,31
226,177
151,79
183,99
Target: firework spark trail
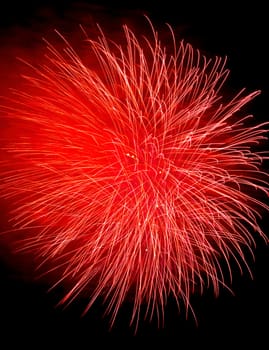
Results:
x,y
136,173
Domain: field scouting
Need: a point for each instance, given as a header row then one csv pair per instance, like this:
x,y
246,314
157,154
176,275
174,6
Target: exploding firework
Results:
x,y
130,173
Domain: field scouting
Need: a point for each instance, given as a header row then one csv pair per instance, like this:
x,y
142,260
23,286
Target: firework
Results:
x,y
130,173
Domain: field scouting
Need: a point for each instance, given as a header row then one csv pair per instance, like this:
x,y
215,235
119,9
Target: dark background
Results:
x,y
27,311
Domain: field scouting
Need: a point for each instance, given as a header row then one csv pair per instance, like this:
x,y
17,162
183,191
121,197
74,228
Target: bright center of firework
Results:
x,y
142,192
144,169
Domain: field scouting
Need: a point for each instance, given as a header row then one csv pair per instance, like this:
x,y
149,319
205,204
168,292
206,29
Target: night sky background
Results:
x,y
28,314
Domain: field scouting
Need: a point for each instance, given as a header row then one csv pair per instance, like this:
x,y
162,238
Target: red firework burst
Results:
x,y
132,175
